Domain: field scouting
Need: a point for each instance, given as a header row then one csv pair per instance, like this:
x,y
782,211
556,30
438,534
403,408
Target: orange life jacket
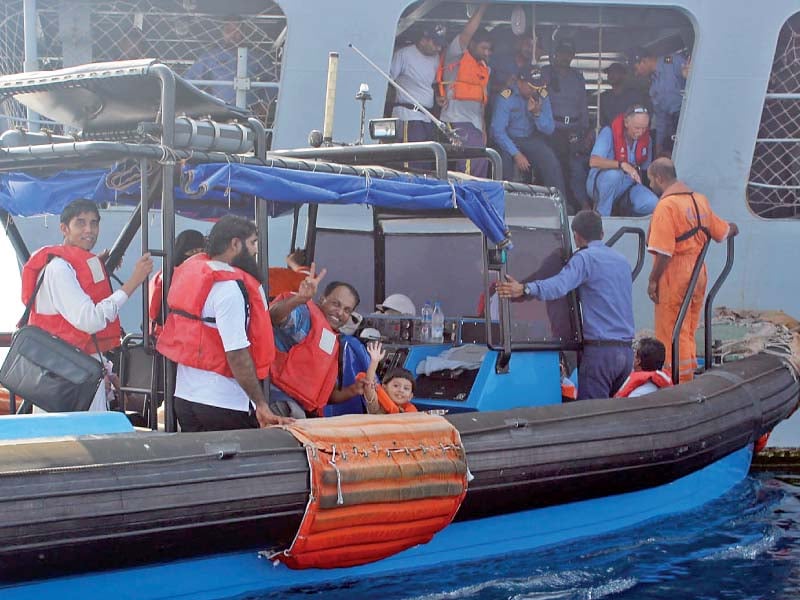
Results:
x,y
307,372
283,280
568,390
188,340
467,76
92,278
154,306
639,378
621,143
386,403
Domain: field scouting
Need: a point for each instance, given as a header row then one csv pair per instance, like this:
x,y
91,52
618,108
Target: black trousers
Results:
x,y
193,416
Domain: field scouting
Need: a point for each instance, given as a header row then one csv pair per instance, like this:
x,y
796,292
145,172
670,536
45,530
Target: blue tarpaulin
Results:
x,y
211,190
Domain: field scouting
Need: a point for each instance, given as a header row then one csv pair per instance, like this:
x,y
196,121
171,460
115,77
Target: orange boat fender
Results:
x,y
379,484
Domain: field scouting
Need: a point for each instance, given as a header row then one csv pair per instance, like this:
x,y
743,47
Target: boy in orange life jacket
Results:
x,y
307,360
648,375
397,391
75,300
218,331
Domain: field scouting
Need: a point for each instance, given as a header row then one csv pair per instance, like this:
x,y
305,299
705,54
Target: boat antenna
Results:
x,y
448,131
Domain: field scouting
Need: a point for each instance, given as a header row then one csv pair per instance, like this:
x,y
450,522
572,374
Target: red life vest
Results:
x,y
92,278
307,372
468,77
621,143
154,309
639,378
188,340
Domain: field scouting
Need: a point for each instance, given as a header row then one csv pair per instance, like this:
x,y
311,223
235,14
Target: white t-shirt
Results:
x,y
415,72
62,294
646,388
459,111
226,304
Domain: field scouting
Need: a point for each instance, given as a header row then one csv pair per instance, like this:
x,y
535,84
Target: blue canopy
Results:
x,y
211,190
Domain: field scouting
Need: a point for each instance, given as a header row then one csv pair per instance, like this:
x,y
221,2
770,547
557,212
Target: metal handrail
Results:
x,y
639,233
676,331
709,305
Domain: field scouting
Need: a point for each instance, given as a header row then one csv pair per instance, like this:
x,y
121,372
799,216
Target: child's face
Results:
x,y
399,390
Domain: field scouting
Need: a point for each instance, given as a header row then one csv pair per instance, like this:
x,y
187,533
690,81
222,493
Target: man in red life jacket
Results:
x,y
463,86
621,153
307,362
219,333
75,301
648,375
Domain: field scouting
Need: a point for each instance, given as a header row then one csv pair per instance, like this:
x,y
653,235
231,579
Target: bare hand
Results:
x,y
535,106
441,101
308,287
652,291
511,288
266,417
142,269
521,162
632,171
376,352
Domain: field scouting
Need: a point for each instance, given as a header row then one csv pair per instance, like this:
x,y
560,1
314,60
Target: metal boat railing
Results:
x,y
641,248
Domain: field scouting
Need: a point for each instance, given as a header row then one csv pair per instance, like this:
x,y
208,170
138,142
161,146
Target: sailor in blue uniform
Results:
x,y
572,137
667,81
521,120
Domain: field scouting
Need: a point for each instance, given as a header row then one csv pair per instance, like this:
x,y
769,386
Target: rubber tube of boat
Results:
x,y
330,97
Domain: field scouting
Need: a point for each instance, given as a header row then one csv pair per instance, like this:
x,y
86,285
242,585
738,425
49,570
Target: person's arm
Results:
x,y
603,148
228,305
465,37
573,274
376,355
71,302
544,121
660,262
357,388
280,311
500,119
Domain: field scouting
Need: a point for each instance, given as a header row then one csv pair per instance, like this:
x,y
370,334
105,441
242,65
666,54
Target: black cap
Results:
x,y
532,75
636,55
566,45
435,33
617,66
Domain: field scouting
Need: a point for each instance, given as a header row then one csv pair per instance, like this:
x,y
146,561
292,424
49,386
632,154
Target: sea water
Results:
x,y
745,545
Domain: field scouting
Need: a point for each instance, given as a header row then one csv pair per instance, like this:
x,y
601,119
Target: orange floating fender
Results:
x,y
379,484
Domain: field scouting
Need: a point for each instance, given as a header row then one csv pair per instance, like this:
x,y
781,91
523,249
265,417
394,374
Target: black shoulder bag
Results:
x,y
47,371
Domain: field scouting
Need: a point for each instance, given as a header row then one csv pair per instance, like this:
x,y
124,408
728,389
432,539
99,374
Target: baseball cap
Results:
x,y
636,55
370,333
615,67
532,75
435,33
399,302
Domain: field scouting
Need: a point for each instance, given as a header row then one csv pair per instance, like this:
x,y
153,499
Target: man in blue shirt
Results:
x,y
667,80
521,119
570,140
621,153
220,65
602,277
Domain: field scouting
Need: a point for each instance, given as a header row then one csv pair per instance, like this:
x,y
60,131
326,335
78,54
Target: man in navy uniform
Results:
x,y
521,120
667,80
572,137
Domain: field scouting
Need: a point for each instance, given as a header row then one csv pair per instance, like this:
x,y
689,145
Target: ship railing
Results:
x,y
640,248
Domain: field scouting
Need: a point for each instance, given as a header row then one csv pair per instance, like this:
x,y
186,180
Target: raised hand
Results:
x,y
308,287
376,352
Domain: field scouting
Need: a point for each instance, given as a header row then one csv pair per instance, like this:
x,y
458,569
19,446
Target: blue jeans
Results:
x,y
544,163
606,186
603,370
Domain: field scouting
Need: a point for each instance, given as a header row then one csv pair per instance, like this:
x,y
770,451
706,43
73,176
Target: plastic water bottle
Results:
x,y
437,324
425,324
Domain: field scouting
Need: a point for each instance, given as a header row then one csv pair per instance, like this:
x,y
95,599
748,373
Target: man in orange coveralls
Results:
x,y
681,223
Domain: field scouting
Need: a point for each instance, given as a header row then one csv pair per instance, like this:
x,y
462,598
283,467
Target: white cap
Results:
x,y
350,327
400,303
370,334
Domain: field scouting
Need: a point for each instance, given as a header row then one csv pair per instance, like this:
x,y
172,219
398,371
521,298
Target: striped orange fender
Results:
x,y
379,484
